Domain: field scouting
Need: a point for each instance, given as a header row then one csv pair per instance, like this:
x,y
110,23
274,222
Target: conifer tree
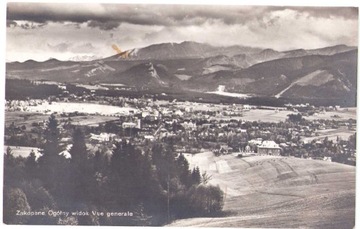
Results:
x,y
81,180
52,165
31,165
196,176
183,170
150,192
10,167
125,174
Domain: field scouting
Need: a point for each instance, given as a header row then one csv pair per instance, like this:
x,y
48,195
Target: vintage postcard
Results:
x,y
180,115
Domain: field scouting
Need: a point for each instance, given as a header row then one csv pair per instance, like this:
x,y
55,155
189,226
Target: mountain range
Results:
x,y
329,72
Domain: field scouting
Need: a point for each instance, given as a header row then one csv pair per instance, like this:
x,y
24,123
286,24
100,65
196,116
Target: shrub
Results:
x,y
15,200
206,200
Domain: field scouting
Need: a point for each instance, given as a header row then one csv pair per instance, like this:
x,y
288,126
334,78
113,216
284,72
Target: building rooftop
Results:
x,y
269,144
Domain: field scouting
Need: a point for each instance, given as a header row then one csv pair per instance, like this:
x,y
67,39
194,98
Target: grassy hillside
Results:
x,y
268,191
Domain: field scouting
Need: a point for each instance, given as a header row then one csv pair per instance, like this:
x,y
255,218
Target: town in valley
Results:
x,y
326,132
180,115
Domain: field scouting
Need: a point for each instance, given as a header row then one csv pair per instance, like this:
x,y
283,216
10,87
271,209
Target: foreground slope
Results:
x,y
279,192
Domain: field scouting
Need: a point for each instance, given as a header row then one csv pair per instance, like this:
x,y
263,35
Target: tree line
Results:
x,y
155,184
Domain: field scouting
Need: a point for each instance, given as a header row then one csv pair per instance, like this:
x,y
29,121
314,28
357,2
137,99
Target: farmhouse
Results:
x,y
269,148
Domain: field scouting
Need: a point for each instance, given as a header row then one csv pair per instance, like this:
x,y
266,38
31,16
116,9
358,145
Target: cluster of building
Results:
x,y
191,126
22,105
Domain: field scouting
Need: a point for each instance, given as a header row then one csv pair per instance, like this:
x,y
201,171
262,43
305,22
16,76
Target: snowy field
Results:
x,y
229,94
88,108
22,151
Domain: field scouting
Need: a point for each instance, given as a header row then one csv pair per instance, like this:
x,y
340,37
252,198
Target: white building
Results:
x,y
269,148
102,137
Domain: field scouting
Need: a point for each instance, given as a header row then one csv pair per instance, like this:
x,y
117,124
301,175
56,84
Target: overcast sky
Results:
x,y
41,31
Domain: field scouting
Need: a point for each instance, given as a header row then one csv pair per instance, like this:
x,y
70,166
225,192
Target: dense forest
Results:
x,y
21,89
128,187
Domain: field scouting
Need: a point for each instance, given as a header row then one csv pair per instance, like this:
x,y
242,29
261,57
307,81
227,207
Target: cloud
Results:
x,y
83,48
65,30
97,15
110,16
329,12
62,47
107,25
24,24
71,47
42,12
10,23
75,25
32,25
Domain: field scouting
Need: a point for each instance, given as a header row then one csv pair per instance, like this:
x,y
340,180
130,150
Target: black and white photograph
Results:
x,y
180,115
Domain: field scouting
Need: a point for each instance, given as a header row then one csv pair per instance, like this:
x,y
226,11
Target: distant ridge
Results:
x,y
327,72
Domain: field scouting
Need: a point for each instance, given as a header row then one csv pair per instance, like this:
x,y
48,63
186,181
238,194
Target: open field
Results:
x,y
342,114
278,192
256,115
25,118
21,151
280,116
91,120
92,87
331,134
88,108
265,115
230,94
